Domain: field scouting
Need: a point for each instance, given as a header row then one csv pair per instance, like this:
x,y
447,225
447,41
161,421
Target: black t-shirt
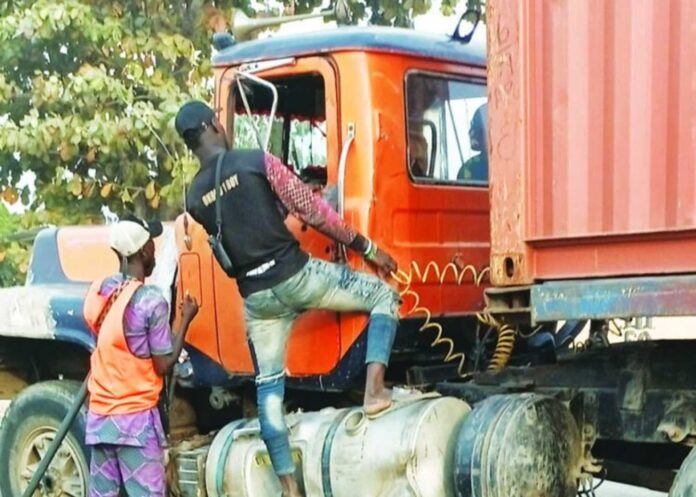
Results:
x,y
261,247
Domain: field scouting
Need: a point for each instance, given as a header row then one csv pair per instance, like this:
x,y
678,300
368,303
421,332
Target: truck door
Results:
x,y
304,135
446,216
432,183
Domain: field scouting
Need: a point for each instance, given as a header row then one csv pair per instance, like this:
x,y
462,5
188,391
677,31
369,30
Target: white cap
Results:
x,y
131,234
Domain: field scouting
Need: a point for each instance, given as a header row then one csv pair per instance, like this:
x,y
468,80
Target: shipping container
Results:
x,y
592,138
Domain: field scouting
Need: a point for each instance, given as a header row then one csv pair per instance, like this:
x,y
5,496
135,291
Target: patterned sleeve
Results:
x,y
159,336
299,199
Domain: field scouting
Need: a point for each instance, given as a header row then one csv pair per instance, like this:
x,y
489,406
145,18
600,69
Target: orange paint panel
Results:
x,y
434,229
190,274
314,346
419,222
315,342
592,111
195,276
77,244
416,229
231,332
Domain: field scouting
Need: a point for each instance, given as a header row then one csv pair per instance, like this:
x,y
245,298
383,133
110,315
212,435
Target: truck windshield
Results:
x,y
447,130
298,133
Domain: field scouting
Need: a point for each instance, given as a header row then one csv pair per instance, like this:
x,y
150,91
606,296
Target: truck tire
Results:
x,y
685,482
28,429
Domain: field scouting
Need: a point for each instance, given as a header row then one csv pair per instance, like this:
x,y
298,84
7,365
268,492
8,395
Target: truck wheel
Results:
x,y
685,482
27,431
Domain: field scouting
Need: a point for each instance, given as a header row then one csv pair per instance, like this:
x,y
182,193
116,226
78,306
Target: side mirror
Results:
x,y
472,17
240,78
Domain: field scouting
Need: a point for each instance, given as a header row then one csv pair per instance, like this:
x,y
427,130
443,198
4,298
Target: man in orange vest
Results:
x,y
135,349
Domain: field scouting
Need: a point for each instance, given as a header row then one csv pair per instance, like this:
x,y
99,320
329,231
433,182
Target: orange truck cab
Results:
x,y
379,120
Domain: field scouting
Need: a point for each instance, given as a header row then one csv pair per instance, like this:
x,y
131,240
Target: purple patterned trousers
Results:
x,y
138,470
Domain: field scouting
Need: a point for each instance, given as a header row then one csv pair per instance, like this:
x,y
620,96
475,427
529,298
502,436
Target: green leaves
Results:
x,y
88,94
14,257
109,116
75,186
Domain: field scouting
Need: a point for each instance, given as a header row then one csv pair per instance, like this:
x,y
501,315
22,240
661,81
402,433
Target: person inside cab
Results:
x,y
418,153
476,167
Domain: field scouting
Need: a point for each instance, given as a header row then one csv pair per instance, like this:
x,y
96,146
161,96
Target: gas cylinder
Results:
x,y
407,451
238,464
518,445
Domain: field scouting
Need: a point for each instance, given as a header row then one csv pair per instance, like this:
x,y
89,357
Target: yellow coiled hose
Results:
x,y
505,343
506,334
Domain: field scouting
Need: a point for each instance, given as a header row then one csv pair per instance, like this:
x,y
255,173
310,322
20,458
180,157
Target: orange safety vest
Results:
x,y
120,382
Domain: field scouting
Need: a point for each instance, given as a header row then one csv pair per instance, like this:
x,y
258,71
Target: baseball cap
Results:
x,y
130,234
192,115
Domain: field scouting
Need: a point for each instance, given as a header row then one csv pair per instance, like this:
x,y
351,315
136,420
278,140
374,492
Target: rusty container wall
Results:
x,y
592,138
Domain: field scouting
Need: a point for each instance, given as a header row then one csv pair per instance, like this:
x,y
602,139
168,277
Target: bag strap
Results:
x,y
218,195
109,305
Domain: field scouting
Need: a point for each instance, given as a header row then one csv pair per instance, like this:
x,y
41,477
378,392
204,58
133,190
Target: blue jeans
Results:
x,y
270,314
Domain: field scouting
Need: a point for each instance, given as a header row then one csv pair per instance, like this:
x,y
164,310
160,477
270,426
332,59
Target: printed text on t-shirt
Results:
x,y
226,185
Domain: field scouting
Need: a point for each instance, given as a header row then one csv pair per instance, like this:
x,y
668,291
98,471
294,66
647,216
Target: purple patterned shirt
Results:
x,y
146,327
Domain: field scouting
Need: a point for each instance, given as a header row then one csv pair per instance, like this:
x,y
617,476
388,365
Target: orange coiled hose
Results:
x,y
506,334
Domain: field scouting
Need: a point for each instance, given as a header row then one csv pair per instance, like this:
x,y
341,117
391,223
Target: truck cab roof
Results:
x,y
368,39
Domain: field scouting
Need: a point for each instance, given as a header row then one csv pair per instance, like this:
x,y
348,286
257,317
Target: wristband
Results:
x,y
371,251
368,248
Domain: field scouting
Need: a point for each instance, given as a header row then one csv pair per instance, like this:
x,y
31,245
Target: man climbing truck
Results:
x,y
236,197
497,281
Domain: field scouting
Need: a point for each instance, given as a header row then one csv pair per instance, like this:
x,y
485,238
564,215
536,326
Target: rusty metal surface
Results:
x,y
606,298
592,116
624,392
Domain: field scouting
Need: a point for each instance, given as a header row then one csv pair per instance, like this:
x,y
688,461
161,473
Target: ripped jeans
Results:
x,y
270,314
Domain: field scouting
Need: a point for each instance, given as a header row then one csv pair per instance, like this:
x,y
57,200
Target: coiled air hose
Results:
x,y
506,333
505,343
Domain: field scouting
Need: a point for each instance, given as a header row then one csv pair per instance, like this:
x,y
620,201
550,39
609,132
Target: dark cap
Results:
x,y
193,115
153,227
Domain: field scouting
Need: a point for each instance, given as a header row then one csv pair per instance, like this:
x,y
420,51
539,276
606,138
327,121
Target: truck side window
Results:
x,y
298,132
447,130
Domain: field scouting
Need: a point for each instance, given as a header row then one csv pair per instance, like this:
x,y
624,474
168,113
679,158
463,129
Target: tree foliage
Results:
x,y
11,254
88,93
90,90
